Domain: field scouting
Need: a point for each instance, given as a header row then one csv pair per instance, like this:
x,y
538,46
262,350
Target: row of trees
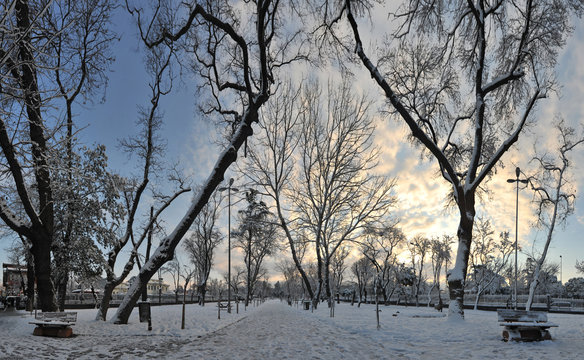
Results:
x,y
398,278
314,159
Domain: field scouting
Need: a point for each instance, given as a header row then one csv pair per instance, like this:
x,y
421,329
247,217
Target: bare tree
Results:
x,y
378,246
188,274
488,257
147,148
444,50
554,196
337,195
440,253
217,288
363,271
338,267
272,163
238,276
292,278
174,269
236,52
203,241
419,247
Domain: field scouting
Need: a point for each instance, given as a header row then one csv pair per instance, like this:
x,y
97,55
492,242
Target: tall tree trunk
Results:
x,y
203,291
41,233
105,301
297,262
327,281
30,285
319,267
42,264
62,281
457,275
63,261
148,247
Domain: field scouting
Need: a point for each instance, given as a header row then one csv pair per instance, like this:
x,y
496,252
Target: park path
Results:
x,y
277,331
273,330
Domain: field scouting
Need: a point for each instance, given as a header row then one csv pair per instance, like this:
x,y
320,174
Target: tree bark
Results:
x,y
297,262
42,263
327,282
203,292
457,276
30,285
479,293
41,231
63,279
105,301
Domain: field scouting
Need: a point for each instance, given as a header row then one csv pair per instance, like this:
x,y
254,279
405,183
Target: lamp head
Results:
x,y
517,171
231,180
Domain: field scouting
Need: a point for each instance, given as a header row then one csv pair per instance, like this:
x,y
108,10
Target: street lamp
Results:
x,y
229,189
516,181
561,270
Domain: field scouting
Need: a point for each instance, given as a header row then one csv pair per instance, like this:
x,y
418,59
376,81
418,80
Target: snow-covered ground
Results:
x,y
277,331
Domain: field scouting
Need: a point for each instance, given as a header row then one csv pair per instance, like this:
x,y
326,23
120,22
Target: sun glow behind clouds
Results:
x,y
421,191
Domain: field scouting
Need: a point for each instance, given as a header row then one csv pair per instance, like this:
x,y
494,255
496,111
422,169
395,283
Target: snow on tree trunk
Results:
x,y
533,286
457,275
430,293
479,293
168,245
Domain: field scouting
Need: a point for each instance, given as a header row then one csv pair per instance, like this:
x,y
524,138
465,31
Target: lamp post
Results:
x,y
561,270
516,181
229,189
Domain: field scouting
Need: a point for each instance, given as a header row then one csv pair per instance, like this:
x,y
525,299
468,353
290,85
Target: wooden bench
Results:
x,y
56,324
559,305
521,325
223,306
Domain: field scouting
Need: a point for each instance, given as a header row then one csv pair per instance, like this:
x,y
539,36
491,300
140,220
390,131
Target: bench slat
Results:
x,y
529,324
52,323
521,316
67,317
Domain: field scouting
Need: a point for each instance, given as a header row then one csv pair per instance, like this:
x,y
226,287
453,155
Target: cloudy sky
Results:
x,y
190,142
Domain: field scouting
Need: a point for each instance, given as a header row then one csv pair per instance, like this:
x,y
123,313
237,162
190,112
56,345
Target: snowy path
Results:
x,y
277,331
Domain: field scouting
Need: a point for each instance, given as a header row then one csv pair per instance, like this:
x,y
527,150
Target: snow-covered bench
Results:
x,y
54,324
521,325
